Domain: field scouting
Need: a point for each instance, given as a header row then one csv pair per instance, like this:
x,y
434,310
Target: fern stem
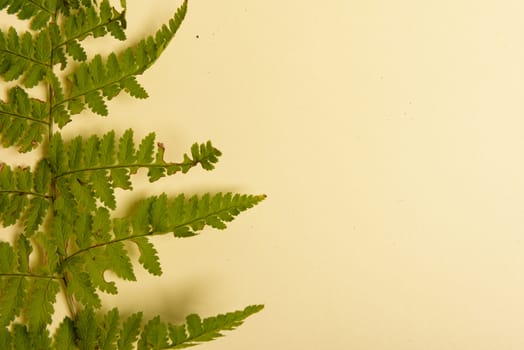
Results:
x,y
69,298
28,275
121,166
27,193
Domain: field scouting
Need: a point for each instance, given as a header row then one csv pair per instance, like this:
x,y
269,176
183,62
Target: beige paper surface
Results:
x,y
388,138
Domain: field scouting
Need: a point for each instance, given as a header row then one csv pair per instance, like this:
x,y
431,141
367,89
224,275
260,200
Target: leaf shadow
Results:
x,y
172,304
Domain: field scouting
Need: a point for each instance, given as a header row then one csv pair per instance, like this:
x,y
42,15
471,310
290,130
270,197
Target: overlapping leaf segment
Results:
x,y
68,238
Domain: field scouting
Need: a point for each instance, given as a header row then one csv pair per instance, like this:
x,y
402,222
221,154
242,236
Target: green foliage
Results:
x,y
67,236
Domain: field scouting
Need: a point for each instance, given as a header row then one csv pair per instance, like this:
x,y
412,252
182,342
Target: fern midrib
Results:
x,y
126,166
101,87
90,30
41,7
27,58
19,116
26,193
30,275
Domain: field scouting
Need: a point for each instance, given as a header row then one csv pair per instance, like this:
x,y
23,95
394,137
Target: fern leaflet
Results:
x,y
102,79
38,11
24,195
21,292
25,56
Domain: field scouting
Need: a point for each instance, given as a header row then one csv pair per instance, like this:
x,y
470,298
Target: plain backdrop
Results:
x,y
388,138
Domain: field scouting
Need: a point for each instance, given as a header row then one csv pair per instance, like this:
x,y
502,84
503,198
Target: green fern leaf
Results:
x,y
106,152
154,335
129,332
23,120
148,256
88,22
34,75
57,156
80,285
38,307
21,337
133,88
48,254
102,187
98,171
186,218
96,103
100,257
75,153
24,56
126,148
76,51
42,177
19,199
157,215
197,331
120,263
109,330
5,338
11,298
40,338
95,272
23,250
120,178
145,151
38,11
43,47
29,338
64,338
89,84
59,114
83,194
12,287
90,151
62,225
35,214
87,330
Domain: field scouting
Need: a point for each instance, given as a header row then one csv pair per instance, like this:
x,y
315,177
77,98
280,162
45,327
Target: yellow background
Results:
x,y
388,138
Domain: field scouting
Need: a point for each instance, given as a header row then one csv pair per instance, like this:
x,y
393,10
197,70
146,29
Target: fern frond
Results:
x,y
24,196
39,12
88,257
196,330
91,330
95,82
24,56
85,22
89,168
23,120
